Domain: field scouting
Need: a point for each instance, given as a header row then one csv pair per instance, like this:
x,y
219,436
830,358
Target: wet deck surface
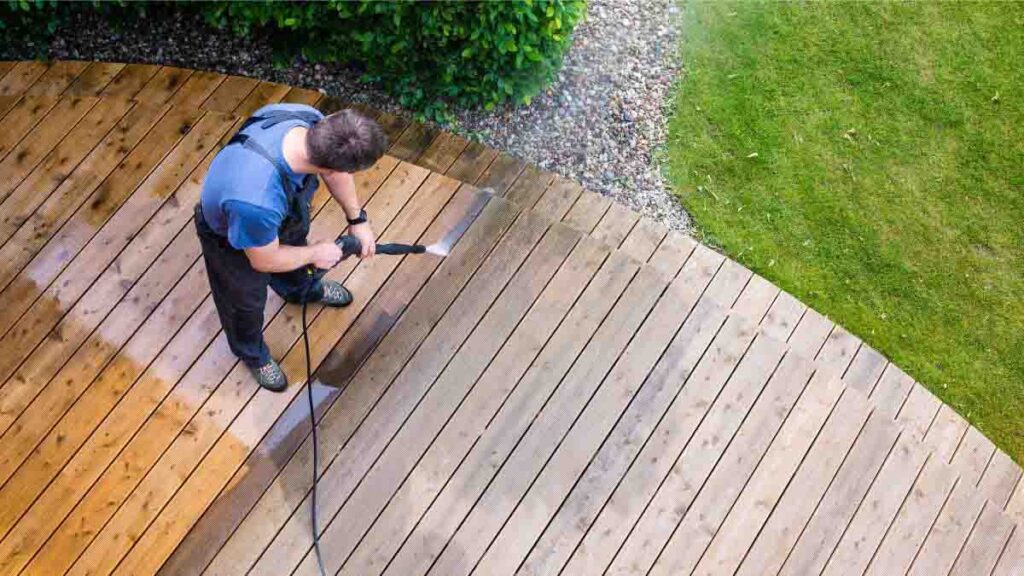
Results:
x,y
572,390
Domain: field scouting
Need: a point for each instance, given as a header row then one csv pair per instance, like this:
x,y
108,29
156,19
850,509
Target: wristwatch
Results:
x,y
361,219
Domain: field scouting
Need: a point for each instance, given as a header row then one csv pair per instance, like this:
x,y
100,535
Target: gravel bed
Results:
x,y
601,122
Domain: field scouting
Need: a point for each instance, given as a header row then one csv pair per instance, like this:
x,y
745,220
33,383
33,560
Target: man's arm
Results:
x,y
343,188
275,257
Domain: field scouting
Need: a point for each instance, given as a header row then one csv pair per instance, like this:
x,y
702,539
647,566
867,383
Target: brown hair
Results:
x,y
346,141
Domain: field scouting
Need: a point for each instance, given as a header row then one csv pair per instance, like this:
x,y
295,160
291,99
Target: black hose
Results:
x,y
312,423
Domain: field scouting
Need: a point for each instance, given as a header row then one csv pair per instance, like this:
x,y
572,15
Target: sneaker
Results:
x,y
270,376
335,294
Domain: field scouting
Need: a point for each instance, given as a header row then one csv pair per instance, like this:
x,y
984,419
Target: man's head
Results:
x,y
345,141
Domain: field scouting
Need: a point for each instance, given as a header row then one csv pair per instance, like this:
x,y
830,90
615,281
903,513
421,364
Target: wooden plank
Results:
x,y
1013,556
413,142
502,432
673,251
501,173
292,542
402,394
655,528
472,163
70,263
946,433
78,186
5,67
756,299
950,532
588,210
393,125
303,96
783,317
487,396
94,79
412,438
328,479
838,351
988,539
669,444
529,187
616,224
287,437
621,449
129,81
810,334
918,412
999,479
729,283
21,77
6,103
57,78
442,152
30,151
261,95
22,118
809,553
865,370
163,85
229,94
513,477
1015,507
878,509
915,518
196,89
562,472
752,521
558,198
58,165
162,392
972,456
219,403
645,238
891,391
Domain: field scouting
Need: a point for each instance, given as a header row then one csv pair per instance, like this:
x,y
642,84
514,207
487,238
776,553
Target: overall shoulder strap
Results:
x,y
275,117
255,146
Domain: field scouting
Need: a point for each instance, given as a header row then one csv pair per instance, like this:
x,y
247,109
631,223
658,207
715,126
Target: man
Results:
x,y
254,214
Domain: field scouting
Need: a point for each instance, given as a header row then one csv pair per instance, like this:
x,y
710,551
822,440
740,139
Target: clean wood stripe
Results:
x,y
287,437
74,271
219,442
94,79
51,130
58,165
129,81
473,162
22,118
158,444
172,396
21,77
57,78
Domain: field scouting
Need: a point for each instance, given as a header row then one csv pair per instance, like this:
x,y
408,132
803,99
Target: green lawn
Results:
x,y
869,158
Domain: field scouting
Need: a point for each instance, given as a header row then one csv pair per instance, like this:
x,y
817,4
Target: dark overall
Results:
x,y
239,290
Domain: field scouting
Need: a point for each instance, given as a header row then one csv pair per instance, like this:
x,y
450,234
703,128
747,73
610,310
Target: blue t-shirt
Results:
x,y
243,197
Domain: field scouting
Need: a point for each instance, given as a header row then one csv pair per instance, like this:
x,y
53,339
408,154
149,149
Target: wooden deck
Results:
x,y
573,390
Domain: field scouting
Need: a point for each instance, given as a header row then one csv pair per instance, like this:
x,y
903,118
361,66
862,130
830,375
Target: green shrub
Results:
x,y
428,54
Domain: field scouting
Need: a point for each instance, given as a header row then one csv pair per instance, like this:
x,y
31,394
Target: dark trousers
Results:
x,y
240,291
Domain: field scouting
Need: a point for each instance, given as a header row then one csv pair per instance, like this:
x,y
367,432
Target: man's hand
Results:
x,y
325,255
364,233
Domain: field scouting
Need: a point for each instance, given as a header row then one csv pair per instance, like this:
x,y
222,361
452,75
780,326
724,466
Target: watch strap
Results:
x,y
361,219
